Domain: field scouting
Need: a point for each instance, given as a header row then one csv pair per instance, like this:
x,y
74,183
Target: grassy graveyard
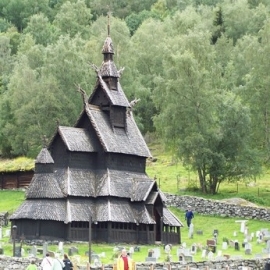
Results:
x,y
174,178
226,227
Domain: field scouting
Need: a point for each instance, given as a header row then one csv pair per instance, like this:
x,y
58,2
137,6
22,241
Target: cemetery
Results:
x,y
201,248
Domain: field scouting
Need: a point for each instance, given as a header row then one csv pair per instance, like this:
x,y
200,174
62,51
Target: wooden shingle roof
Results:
x,y
74,209
129,141
47,209
170,219
123,184
116,98
44,157
44,185
76,139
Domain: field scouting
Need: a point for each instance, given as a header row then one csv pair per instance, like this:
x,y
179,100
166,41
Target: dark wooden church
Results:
x,y
94,173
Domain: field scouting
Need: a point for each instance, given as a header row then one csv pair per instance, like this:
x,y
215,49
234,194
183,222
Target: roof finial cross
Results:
x,y
109,13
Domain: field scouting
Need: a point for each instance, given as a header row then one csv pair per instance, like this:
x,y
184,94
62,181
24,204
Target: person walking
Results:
x,y
32,266
124,261
57,263
67,262
47,262
189,216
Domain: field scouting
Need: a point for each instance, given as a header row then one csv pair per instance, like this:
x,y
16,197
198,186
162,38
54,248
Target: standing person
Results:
x,y
68,263
57,263
189,216
124,261
47,262
32,266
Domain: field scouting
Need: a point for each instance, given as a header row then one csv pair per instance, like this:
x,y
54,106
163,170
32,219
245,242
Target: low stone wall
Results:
x,y
10,263
214,207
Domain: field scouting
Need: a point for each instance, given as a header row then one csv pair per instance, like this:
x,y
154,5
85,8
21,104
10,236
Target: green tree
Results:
x,y
41,29
205,125
73,18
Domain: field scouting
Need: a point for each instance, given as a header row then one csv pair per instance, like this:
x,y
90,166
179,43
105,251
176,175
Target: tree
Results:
x,y
73,18
41,29
205,125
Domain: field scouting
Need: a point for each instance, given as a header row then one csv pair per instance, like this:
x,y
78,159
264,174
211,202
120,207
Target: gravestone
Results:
x,y
193,249
73,250
151,259
17,252
191,231
137,249
34,251
188,258
156,253
236,245
210,255
181,257
224,245
268,246
45,248
203,253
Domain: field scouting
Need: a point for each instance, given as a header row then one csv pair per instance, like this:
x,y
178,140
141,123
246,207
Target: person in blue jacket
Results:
x,y
189,216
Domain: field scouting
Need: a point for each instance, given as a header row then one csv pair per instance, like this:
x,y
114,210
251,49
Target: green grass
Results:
x,y
11,200
172,177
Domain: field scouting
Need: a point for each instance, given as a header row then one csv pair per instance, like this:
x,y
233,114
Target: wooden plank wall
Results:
x,y
14,180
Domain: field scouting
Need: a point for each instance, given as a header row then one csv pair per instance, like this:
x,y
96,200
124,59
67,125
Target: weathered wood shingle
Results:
x,y
129,141
76,139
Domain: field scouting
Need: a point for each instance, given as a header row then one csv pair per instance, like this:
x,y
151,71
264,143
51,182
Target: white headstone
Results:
x,y
203,253
224,245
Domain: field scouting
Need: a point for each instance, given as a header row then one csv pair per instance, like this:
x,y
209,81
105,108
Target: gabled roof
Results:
x,y
116,97
117,140
152,197
44,157
76,139
44,185
123,184
73,209
48,209
170,219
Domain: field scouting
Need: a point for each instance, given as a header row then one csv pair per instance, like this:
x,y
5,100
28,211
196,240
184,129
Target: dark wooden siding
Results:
x,y
124,162
59,153
14,180
83,160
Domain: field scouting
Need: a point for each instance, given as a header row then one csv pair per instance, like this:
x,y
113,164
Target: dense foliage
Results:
x,y
200,69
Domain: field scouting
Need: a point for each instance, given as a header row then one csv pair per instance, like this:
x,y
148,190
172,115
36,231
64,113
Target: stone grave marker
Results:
x,y
193,249
268,246
203,253
45,248
236,245
191,231
188,258
210,255
150,257
34,251
73,250
156,253
224,245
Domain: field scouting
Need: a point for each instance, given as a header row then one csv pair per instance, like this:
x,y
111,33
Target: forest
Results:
x,y
199,67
